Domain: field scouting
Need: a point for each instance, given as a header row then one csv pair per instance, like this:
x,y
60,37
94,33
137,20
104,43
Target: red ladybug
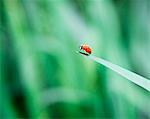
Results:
x,y
85,49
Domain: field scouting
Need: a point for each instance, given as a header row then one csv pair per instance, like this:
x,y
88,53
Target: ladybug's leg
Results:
x,y
84,53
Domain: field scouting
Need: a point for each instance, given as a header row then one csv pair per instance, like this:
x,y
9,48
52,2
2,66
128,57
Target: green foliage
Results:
x,y
41,74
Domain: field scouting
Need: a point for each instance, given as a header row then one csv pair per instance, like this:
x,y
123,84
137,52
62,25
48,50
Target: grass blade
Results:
x,y
133,77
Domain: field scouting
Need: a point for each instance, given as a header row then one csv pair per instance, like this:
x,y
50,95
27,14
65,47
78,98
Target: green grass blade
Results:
x,y
133,77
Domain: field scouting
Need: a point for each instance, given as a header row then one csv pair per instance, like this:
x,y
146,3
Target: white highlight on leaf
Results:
x,y
133,77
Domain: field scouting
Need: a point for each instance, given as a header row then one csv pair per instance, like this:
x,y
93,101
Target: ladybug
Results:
x,y
85,50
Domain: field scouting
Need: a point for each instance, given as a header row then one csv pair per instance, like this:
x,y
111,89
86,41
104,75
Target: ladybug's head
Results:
x,y
81,47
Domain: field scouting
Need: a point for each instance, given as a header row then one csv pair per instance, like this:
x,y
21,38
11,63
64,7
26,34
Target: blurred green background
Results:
x,y
41,74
